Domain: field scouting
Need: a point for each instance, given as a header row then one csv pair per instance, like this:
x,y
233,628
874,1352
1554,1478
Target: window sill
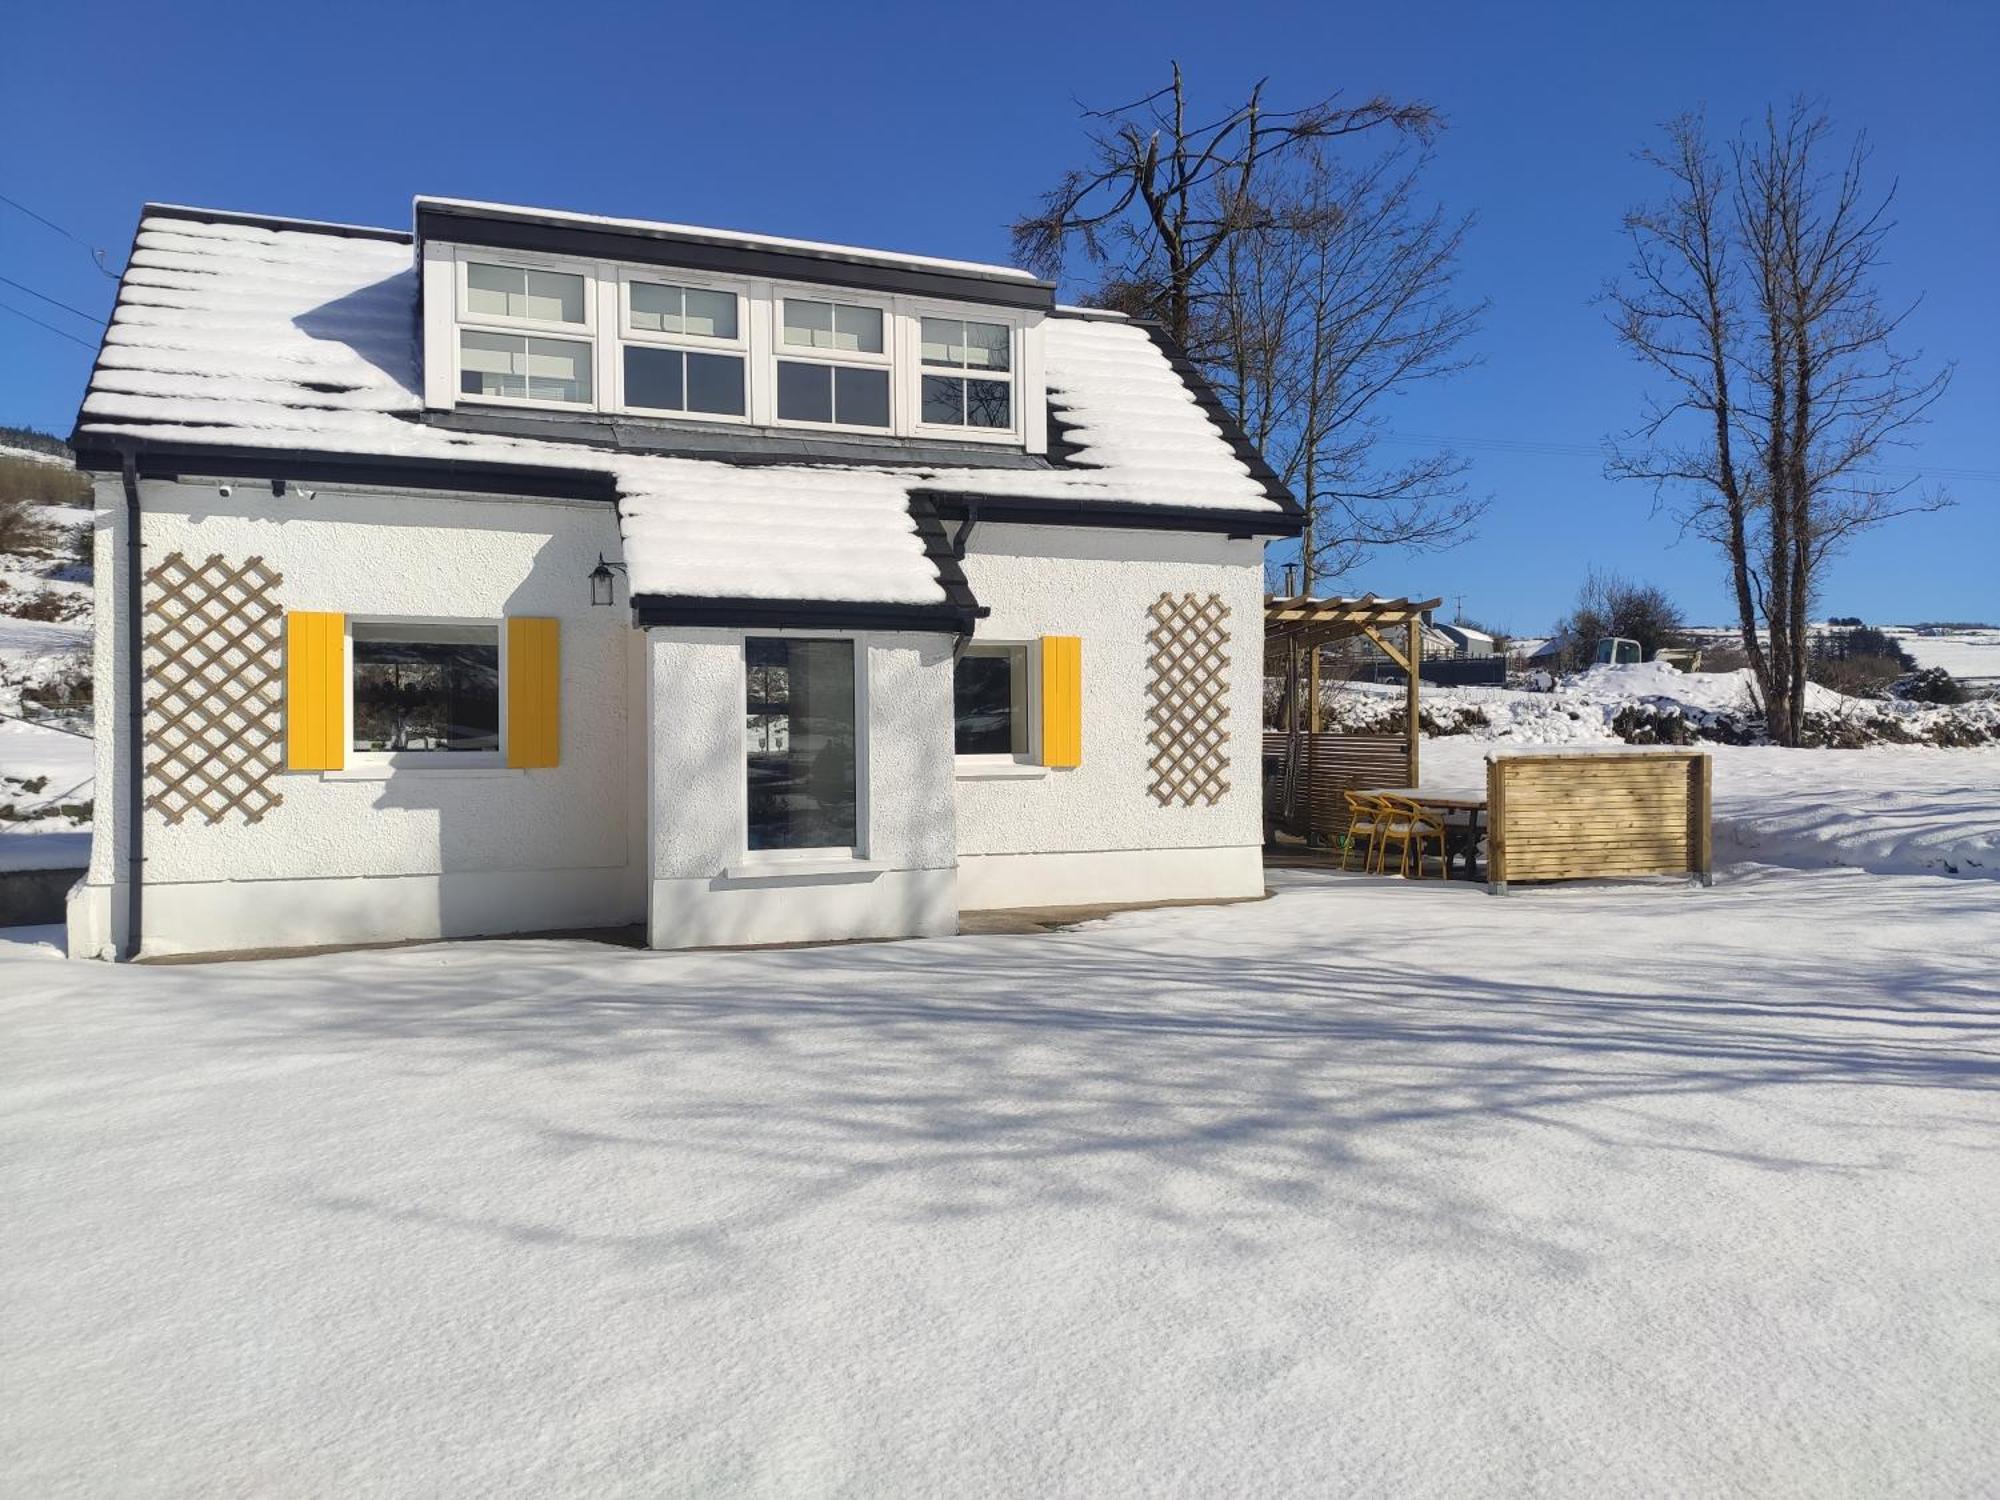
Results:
x,y
997,768
836,866
383,771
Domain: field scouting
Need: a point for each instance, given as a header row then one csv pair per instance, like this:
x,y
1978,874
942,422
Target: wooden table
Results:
x,y
1473,804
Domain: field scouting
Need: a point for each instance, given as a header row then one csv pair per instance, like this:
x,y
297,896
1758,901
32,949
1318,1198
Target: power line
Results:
x,y
96,254
1535,448
43,296
61,333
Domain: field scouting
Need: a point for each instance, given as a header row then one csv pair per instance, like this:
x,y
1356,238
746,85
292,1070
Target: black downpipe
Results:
x,y
135,699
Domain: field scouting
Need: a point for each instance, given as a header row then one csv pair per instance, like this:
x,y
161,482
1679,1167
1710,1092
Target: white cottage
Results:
x,y
534,571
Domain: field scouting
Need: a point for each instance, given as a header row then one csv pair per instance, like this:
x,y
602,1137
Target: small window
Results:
x,y
683,380
833,325
846,396
990,714
800,712
520,367
426,688
516,292
689,311
980,350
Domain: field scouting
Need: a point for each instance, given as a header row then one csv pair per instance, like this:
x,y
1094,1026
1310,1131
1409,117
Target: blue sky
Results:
x,y
928,128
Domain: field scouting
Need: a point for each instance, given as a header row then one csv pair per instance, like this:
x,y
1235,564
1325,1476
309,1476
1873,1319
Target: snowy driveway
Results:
x,y
1369,1189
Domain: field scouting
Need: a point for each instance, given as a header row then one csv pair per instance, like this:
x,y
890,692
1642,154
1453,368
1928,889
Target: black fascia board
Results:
x,y
1130,515
662,248
649,610
173,460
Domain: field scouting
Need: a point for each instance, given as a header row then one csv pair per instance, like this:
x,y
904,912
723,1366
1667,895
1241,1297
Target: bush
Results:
x,y
1608,605
23,532
1856,676
1930,685
46,484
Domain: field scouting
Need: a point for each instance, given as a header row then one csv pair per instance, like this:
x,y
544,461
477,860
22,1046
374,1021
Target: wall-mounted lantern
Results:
x,y
600,580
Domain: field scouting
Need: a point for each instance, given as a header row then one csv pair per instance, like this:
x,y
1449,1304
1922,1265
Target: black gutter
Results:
x,y
174,460
649,610
135,743
1130,515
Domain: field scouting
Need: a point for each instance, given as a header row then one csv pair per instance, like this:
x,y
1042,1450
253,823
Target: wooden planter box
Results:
x,y
1577,817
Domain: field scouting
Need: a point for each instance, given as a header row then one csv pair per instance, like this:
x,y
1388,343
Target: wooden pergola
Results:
x,y
1298,628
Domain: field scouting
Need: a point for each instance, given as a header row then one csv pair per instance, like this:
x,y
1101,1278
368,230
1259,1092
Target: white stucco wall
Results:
x,y
363,855
706,888
1095,833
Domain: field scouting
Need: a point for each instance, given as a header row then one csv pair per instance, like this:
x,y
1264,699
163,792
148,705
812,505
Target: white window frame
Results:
x,y
778,861
743,345
464,320
378,761
1017,361
1028,760
887,361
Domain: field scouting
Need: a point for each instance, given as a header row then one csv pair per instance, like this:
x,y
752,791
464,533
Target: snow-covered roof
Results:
x,y
272,338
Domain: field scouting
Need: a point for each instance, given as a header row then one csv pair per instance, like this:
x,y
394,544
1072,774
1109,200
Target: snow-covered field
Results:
x,y
1374,1188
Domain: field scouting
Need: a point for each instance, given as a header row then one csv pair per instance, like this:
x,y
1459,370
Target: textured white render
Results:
x,y
264,338
1067,836
366,855
706,890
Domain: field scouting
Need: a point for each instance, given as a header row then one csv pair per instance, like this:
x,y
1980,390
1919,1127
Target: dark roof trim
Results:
x,y
945,555
267,221
1131,515
172,460
649,610
556,236
1232,431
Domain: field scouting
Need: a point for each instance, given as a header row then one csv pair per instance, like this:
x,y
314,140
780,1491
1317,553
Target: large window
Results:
x,y
990,709
426,688
519,366
799,743
677,352
981,396
851,393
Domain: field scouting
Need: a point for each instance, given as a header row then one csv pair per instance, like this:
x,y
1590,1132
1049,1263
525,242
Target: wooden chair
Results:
x,y
1364,822
1409,825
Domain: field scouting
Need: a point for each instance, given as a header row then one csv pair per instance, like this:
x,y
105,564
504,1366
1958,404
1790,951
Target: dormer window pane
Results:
x,y
516,292
690,310
843,394
682,380
833,325
518,368
956,344
951,402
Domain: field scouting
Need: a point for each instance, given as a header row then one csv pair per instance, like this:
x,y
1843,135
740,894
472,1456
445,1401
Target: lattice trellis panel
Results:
x,y
214,688
1190,692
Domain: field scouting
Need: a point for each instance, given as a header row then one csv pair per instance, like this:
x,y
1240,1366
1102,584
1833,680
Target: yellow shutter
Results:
x,y
315,691
1062,700
534,692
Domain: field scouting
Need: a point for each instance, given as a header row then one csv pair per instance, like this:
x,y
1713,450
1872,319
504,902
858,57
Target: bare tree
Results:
x,y
1306,290
1750,292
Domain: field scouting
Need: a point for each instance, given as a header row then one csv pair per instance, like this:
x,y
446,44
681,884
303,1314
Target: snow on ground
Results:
x,y
33,651
57,765
1970,655
1354,1191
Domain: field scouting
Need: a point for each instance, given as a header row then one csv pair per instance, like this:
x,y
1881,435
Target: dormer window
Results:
x,y
705,344
981,396
683,349
496,363
852,389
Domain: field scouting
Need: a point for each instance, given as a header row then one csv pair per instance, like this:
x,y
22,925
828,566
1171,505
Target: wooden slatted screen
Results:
x,y
1571,817
1336,764
315,691
534,692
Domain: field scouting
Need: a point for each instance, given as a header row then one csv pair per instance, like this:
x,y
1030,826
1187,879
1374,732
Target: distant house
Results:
x,y
935,595
1467,641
